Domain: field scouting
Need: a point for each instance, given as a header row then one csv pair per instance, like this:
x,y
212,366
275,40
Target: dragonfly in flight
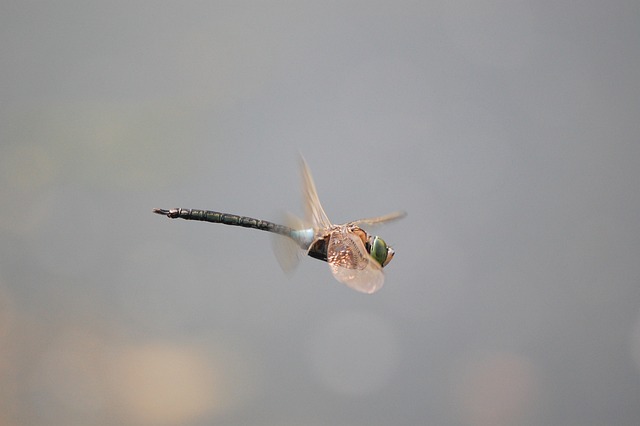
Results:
x,y
355,257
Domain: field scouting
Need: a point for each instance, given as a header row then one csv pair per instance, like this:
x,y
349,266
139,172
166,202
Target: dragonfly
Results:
x,y
355,257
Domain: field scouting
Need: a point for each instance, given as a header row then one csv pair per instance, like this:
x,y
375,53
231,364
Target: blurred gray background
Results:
x,y
508,130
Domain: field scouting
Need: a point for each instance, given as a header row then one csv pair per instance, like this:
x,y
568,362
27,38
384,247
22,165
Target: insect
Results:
x,y
355,257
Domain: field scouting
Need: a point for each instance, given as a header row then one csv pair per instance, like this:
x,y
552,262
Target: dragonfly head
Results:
x,y
379,250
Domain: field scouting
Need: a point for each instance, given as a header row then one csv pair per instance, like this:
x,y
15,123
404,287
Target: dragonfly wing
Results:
x,y
380,219
313,208
351,264
286,249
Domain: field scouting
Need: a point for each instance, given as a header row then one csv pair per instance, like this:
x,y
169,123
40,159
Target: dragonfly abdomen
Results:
x,y
226,219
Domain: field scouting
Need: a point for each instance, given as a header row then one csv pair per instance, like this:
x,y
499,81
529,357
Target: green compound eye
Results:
x,y
380,251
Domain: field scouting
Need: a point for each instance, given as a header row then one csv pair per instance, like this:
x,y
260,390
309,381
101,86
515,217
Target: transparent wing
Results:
x,y
380,219
351,264
314,211
287,250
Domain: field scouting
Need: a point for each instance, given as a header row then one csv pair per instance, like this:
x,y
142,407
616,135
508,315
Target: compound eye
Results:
x,y
390,253
379,250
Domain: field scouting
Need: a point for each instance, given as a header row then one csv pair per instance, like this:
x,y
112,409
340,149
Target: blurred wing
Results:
x,y
287,250
351,264
313,209
380,219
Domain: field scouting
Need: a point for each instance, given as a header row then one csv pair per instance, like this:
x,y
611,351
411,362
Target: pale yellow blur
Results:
x,y
495,389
